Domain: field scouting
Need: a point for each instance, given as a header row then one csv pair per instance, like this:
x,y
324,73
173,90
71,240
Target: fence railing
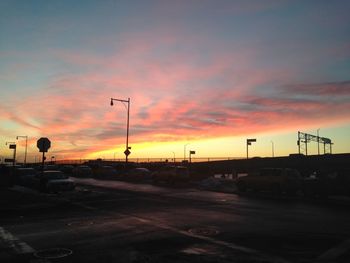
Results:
x,y
151,160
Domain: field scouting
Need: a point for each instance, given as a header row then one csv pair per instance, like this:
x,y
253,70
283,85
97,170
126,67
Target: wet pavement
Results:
x,y
111,221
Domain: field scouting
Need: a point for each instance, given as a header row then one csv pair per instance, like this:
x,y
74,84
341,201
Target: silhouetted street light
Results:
x,y
127,150
25,152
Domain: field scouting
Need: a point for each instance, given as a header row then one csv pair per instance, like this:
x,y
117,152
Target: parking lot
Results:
x,y
114,221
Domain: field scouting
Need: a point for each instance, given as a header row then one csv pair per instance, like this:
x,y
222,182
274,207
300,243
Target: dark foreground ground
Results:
x,y
111,221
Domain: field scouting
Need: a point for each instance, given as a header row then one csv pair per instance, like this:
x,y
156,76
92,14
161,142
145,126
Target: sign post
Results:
x,y
127,152
13,147
43,144
249,142
192,152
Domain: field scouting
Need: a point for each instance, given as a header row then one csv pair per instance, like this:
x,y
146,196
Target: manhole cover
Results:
x,y
204,231
53,253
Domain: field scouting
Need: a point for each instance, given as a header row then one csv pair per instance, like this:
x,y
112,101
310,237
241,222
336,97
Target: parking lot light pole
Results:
x,y
25,152
127,150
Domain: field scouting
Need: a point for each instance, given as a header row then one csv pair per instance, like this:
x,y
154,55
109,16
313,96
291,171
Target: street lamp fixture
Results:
x,y
127,148
25,152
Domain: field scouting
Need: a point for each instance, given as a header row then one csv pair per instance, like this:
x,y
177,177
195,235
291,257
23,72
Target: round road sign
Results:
x,y
43,144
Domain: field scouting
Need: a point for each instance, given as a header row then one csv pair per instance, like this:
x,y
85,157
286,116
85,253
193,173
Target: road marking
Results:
x,y
212,240
13,243
207,239
335,252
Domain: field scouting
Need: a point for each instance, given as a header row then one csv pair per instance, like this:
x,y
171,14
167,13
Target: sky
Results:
x,y
201,75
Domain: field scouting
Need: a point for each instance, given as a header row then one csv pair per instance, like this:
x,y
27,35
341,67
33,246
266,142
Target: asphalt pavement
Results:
x,y
111,221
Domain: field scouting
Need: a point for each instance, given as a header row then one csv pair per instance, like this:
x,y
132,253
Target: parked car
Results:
x,y
171,175
82,171
23,175
273,180
323,183
55,181
138,175
105,171
50,181
50,167
67,169
6,178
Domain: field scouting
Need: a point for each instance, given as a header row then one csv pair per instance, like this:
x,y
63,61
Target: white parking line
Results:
x,y
14,244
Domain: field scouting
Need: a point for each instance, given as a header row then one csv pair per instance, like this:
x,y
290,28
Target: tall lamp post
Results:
x,y
25,152
127,150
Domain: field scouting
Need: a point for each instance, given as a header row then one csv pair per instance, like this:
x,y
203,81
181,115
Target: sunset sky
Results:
x,y
207,73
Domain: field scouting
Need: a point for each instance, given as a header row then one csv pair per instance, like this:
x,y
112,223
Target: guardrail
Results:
x,y
149,160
